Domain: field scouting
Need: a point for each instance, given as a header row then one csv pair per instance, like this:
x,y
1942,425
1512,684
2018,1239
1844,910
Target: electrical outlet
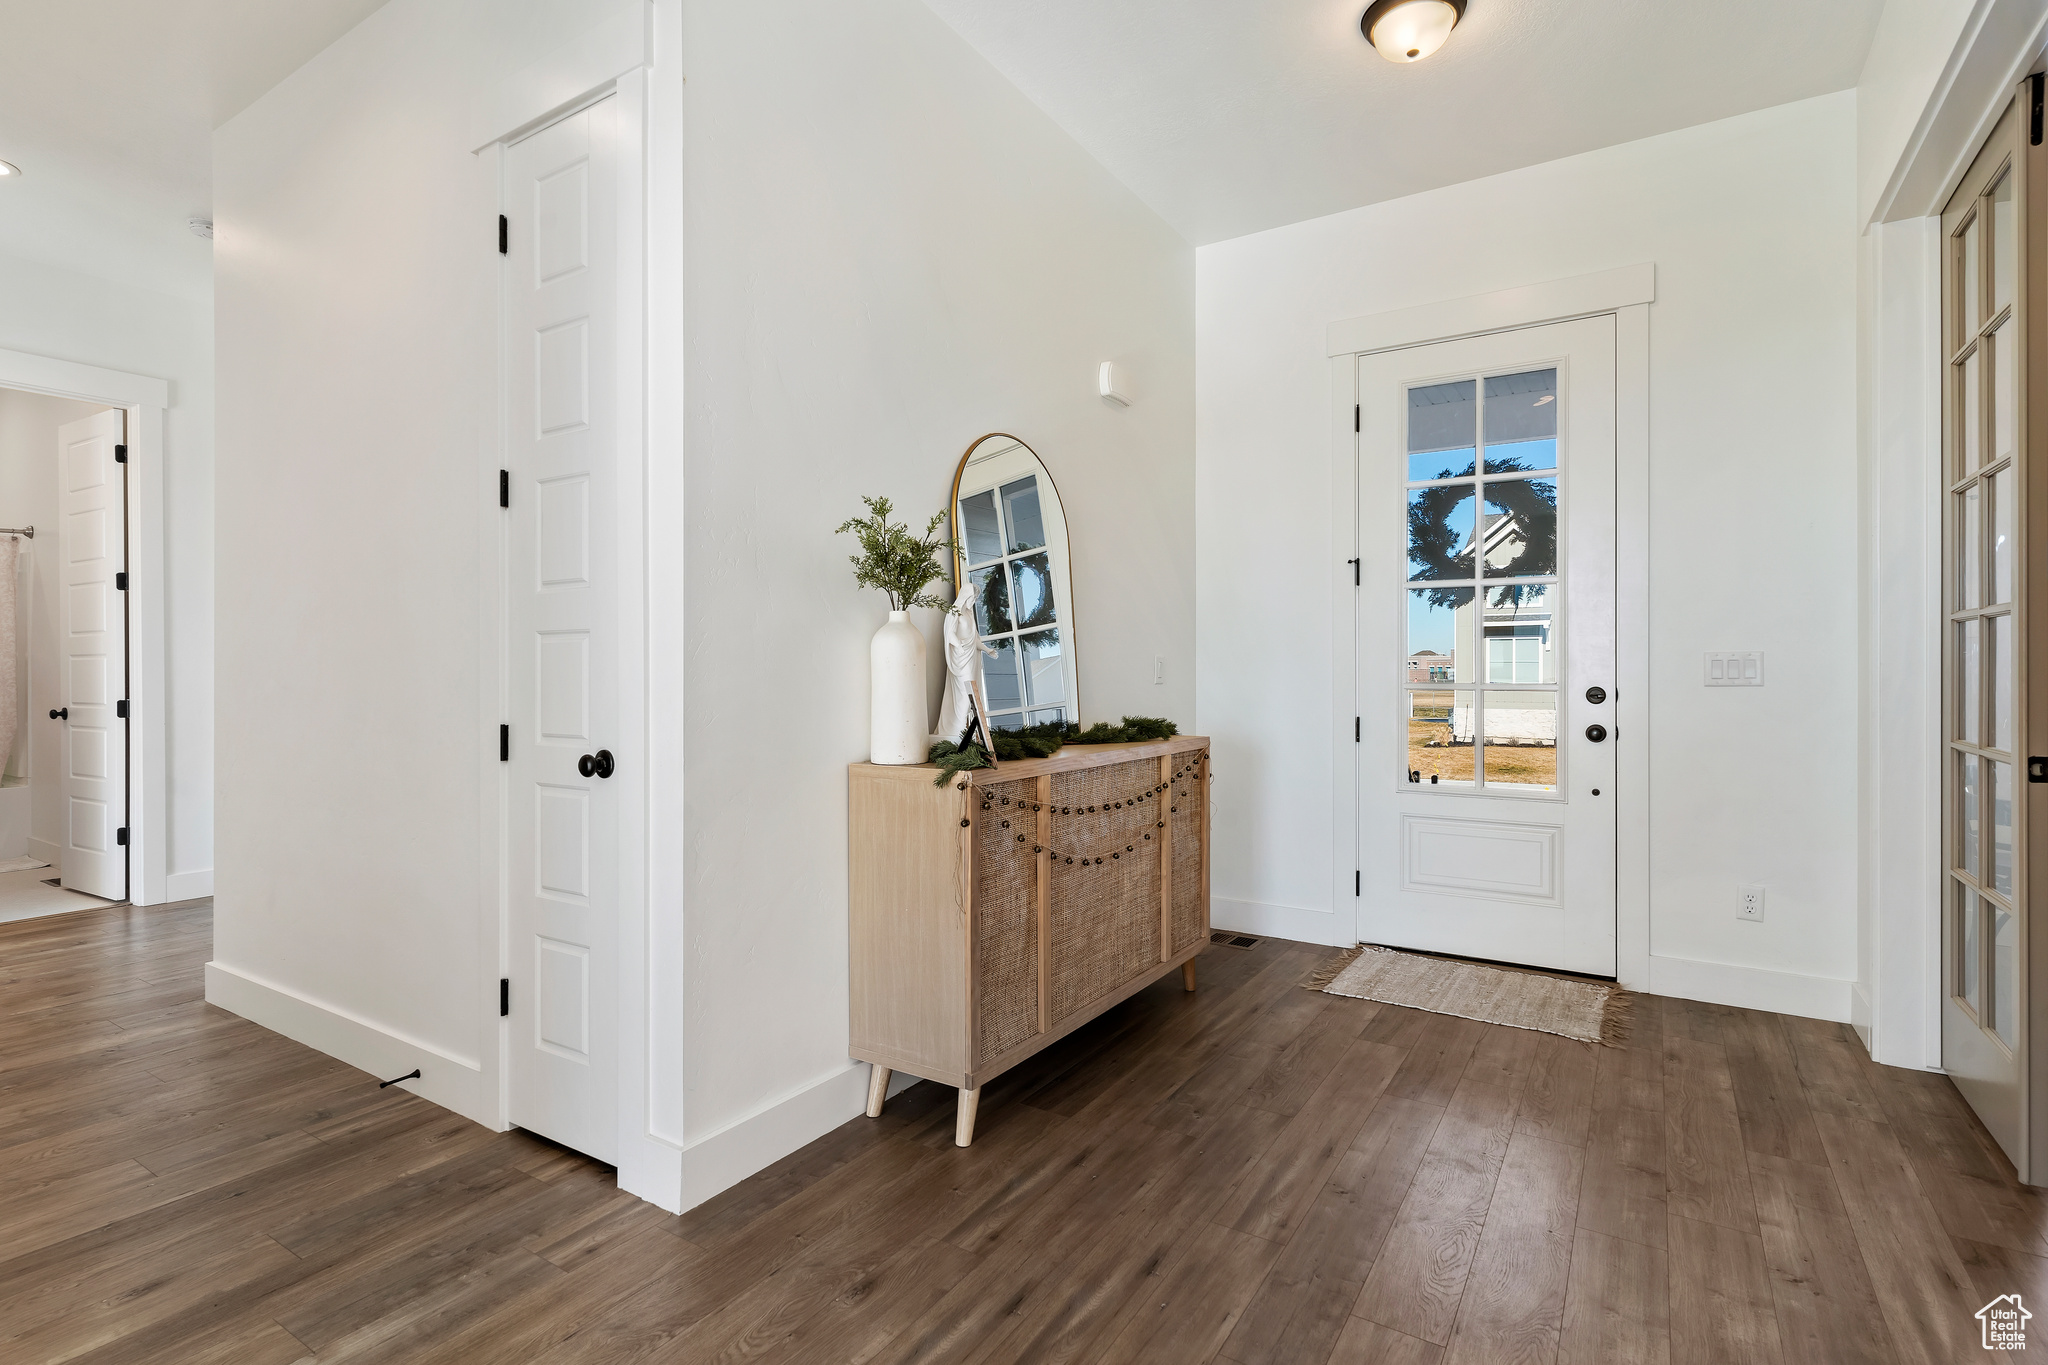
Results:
x,y
1752,903
1158,670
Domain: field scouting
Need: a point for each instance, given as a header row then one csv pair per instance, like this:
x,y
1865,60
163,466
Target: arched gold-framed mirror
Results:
x,y
1010,533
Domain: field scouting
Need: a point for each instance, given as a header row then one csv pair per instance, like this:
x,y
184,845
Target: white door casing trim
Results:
x,y
144,398
1627,294
649,1165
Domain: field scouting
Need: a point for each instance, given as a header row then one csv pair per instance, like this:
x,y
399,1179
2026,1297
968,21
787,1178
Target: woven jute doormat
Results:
x,y
1589,1011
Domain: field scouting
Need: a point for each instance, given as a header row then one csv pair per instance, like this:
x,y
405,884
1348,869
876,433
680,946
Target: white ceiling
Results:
x,y
1232,116
109,107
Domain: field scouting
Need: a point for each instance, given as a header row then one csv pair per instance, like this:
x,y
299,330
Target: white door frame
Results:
x,y
144,400
649,1164
1626,293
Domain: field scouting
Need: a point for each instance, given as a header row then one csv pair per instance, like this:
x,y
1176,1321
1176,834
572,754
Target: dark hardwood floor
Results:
x,y
1252,1174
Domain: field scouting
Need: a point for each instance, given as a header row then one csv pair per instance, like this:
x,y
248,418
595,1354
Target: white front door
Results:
x,y
562,433
92,557
1486,668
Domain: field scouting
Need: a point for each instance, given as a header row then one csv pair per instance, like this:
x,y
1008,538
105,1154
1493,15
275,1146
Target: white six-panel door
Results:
x,y
562,602
1486,733
92,543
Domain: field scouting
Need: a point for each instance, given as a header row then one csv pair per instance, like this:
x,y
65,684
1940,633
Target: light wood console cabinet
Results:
x,y
999,912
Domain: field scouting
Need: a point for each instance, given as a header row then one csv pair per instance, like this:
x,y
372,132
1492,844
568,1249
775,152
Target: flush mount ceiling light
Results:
x,y
1409,30
8,168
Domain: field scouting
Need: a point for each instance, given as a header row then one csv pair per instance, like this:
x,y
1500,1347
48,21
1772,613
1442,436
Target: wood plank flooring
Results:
x,y
1250,1175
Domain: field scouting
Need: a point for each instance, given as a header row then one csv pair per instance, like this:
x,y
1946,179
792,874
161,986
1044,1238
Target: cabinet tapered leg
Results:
x,y
963,1123
878,1090
1187,974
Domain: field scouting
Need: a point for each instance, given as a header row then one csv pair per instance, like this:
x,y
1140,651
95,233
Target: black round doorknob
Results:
x,y
1596,695
61,713
1596,733
598,764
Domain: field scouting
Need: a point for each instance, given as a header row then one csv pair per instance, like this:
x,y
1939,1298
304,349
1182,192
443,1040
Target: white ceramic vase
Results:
x,y
898,724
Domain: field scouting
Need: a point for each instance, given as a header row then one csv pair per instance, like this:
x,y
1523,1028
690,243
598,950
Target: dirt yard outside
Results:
x,y
1429,751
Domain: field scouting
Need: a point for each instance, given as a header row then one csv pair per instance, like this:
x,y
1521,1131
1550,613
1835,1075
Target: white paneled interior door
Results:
x,y
92,554
1486,627
562,602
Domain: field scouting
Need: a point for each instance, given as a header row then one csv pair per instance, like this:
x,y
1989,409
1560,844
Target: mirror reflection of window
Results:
x,y
1004,538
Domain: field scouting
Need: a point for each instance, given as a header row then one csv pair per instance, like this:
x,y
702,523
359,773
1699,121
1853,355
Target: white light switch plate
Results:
x,y
1738,668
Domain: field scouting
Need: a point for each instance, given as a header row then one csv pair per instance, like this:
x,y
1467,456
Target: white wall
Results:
x,y
1751,225
28,497
890,252
49,311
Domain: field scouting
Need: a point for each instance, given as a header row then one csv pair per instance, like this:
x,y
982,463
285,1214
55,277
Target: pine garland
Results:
x,y
1043,741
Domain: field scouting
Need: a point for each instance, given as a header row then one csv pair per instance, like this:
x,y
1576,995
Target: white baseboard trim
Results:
x,y
1719,983
1281,921
450,1082
1860,1015
188,886
50,852
718,1161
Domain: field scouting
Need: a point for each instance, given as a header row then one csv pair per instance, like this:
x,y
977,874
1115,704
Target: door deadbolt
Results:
x,y
598,764
2037,769
1596,695
1596,733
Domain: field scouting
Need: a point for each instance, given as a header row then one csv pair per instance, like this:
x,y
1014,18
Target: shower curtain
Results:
x,y
10,703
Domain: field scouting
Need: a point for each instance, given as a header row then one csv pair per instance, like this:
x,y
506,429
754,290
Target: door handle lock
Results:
x,y
1596,695
598,764
61,713
2037,769
1596,733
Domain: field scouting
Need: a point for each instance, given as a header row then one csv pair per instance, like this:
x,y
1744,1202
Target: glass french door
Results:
x,y
1486,539
1984,921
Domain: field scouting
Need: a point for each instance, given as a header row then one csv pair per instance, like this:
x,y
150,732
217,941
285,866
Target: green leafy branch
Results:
x,y
894,560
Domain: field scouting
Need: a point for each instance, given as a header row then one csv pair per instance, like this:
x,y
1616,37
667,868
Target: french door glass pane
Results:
x,y
2003,371
1521,527
1971,686
2005,247
1045,674
1972,567
1968,832
1439,725
1441,521
1972,290
1521,739
999,677
991,599
1443,430
2001,535
2001,827
1440,635
1020,509
1521,421
978,518
1999,661
1973,426
1968,949
1032,579
2004,965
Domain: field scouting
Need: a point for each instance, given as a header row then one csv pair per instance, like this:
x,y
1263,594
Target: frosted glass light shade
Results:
x,y
1409,30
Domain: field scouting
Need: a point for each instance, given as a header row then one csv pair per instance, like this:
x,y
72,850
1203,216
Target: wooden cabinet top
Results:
x,y
1070,758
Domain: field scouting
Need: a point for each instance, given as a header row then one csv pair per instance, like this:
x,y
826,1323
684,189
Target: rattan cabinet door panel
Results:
x,y
1105,881
1006,866
1184,815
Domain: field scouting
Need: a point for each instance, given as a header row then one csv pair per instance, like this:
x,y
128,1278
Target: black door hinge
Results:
x,y
504,744
120,582
121,710
504,488
121,452
504,235
1354,571
2034,83
1358,729
121,835
1357,416
504,996
1358,883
